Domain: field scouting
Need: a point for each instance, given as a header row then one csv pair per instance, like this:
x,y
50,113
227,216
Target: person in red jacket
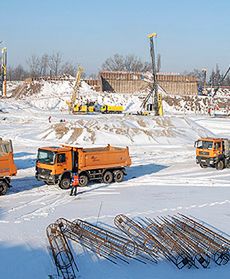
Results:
x,y
74,184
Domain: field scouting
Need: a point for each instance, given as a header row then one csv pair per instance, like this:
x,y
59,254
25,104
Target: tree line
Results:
x,y
44,65
54,65
214,79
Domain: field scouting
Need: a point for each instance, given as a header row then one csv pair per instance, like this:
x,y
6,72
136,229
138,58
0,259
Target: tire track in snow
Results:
x,y
163,210
44,211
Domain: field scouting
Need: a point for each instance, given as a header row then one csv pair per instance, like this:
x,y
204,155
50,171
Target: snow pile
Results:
x,y
126,130
53,96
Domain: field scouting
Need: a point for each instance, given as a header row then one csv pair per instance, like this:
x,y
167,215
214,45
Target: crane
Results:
x,y
220,82
217,88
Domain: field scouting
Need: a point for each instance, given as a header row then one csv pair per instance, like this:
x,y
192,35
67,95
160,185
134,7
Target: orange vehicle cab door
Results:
x,y
218,148
62,163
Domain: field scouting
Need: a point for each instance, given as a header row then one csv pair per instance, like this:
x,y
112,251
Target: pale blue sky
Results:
x,y
191,34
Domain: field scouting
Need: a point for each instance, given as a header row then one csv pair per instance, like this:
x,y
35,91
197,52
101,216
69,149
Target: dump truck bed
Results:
x,y
103,157
7,166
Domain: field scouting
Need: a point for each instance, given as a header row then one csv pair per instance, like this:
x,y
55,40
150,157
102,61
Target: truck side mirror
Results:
x,y
195,143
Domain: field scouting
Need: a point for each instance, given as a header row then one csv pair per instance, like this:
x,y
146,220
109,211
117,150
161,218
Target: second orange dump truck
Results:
x,y
213,152
7,165
55,165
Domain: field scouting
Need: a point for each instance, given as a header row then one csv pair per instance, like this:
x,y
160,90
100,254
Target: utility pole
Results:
x,y
4,63
154,85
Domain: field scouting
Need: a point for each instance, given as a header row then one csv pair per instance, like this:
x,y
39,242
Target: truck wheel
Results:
x,y
220,165
203,165
108,177
118,176
83,180
64,183
3,188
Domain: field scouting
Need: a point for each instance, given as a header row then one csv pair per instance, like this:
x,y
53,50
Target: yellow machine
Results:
x,y
83,108
71,103
156,104
3,72
111,109
160,105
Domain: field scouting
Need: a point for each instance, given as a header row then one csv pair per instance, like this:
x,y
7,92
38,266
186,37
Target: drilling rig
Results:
x,y
154,95
3,72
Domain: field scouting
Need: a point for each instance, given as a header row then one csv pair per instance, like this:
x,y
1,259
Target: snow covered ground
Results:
x,y
163,179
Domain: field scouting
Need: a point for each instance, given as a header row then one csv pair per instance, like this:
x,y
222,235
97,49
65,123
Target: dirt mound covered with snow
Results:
x,y
54,95
128,130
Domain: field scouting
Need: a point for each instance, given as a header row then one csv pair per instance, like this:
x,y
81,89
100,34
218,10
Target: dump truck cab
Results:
x,y
213,152
56,165
7,165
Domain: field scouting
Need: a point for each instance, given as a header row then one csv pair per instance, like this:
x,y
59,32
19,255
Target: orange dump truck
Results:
x,y
7,166
213,152
56,165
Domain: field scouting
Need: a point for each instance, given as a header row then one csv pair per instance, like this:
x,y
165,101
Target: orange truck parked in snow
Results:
x,y
56,165
213,152
7,166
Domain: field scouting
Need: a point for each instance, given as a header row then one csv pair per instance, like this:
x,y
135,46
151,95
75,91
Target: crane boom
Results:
x,y
220,82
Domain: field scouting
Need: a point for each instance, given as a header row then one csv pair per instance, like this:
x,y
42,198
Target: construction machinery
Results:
x,y
7,165
214,92
220,82
3,71
213,152
71,104
111,109
155,97
83,108
56,165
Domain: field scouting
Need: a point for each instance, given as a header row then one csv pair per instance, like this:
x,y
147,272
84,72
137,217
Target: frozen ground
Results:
x,y
163,179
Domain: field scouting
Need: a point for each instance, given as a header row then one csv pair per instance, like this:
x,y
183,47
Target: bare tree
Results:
x,y
17,73
34,65
129,63
10,73
55,63
68,69
215,76
44,64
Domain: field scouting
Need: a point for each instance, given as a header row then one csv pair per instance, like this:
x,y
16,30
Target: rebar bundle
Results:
x,y
61,252
150,243
178,242
103,242
214,244
180,239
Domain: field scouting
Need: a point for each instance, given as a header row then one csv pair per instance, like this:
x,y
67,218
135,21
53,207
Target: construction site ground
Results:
x,y
163,179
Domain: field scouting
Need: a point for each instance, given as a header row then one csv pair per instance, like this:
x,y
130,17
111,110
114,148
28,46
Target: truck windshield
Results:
x,y
204,144
46,157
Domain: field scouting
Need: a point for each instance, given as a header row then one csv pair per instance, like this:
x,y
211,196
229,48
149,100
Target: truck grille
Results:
x,y
43,171
204,153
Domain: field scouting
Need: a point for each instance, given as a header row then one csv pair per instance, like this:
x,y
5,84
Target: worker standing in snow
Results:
x,y
74,184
